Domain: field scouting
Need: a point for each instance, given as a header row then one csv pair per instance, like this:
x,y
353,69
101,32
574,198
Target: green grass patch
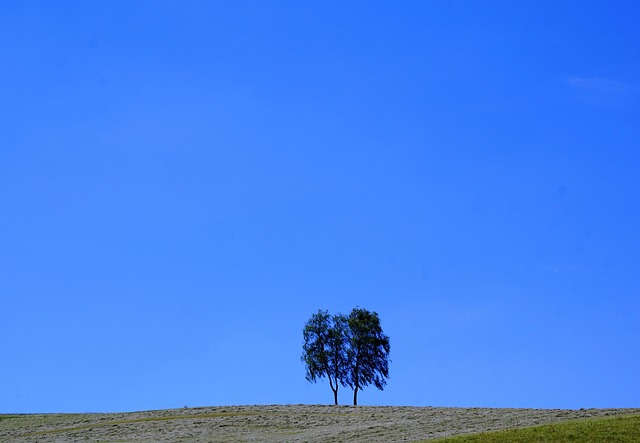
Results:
x,y
621,429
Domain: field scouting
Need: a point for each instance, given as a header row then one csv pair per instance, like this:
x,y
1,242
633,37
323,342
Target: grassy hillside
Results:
x,y
325,424
611,430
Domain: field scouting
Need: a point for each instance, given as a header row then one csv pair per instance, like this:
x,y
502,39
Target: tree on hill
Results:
x,y
349,351
325,349
368,352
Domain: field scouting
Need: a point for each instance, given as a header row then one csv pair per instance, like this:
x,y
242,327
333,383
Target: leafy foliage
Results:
x,y
325,349
369,352
349,351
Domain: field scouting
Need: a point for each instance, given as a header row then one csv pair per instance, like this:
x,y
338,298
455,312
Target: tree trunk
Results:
x,y
355,396
335,390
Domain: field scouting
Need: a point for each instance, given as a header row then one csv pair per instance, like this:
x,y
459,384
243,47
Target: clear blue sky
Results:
x,y
183,183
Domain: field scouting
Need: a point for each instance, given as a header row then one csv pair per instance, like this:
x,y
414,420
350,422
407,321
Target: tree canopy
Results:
x,y
325,349
369,352
350,351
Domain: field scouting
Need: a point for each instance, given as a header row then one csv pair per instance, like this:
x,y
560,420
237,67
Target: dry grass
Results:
x,y
293,423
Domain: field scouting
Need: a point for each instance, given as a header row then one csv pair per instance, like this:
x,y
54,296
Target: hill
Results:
x,y
286,423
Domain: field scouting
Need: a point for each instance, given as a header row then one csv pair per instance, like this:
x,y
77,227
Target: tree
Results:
x,y
325,349
368,352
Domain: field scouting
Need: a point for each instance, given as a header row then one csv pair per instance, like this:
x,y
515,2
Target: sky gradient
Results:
x,y
183,184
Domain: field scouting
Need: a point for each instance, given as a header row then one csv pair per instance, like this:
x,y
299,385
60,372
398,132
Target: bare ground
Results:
x,y
290,423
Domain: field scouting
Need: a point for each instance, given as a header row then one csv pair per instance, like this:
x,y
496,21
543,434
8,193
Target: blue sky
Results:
x,y
185,183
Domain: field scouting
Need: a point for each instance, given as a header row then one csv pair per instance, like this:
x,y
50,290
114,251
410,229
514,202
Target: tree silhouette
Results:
x,y
368,352
325,349
349,351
